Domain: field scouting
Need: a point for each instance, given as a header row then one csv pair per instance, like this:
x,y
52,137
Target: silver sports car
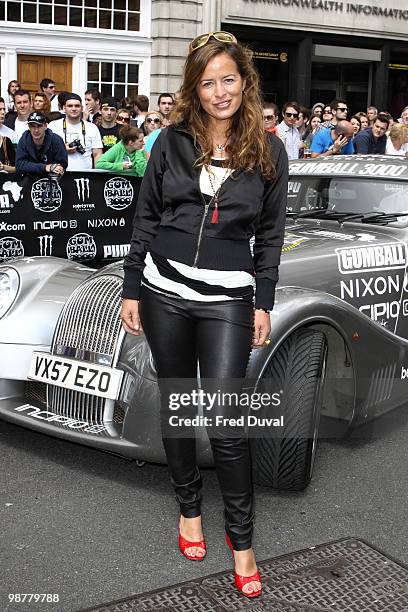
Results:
x,y
339,330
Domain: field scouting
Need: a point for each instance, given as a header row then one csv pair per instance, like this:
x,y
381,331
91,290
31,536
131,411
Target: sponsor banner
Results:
x,y
373,280
71,218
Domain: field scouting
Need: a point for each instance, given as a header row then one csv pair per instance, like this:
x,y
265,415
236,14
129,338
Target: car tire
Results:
x,y
283,457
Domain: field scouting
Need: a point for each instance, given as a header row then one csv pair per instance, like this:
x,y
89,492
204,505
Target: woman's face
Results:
x,y
327,114
355,124
152,122
220,88
135,145
315,122
364,122
123,117
38,103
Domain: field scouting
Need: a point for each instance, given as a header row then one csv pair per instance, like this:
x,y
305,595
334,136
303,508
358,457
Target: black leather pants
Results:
x,y
219,335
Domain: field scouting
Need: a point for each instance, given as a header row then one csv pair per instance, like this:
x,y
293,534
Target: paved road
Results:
x,y
92,527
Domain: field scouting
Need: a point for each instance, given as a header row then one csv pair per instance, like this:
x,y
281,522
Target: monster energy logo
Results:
x,y
82,185
45,245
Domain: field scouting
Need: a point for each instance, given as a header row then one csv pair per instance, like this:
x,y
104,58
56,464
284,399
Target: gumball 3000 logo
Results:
x,y
10,247
81,246
46,195
118,193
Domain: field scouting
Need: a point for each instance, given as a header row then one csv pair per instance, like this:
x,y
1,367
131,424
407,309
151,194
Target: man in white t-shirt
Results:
x,y
82,138
23,104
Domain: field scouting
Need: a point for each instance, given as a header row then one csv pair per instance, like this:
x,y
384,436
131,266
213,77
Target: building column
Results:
x,y
379,92
301,75
174,24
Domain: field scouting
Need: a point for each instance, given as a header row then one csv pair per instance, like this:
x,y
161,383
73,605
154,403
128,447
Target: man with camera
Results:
x,y
82,138
39,150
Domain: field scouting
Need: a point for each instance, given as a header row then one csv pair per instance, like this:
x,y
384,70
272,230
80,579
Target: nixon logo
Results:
x,y
45,245
82,185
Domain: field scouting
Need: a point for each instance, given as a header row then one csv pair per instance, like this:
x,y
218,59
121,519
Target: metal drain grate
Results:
x,y
344,576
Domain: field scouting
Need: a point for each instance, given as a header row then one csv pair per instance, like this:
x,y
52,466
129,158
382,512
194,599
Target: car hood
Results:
x,y
361,265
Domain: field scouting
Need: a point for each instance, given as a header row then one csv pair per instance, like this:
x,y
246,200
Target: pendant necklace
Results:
x,y
214,217
219,148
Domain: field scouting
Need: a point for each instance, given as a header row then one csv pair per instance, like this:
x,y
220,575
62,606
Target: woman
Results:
x,y
41,103
11,90
311,129
7,155
123,116
152,122
397,140
127,155
356,123
209,186
364,121
327,113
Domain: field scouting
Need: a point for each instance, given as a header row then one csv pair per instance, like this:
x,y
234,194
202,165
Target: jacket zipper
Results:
x,y
200,233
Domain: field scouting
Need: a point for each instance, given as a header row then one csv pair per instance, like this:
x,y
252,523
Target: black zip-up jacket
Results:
x,y
172,220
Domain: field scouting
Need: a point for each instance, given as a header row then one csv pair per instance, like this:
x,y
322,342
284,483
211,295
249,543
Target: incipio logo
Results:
x,y
10,247
118,193
51,225
115,250
370,258
46,195
47,415
81,246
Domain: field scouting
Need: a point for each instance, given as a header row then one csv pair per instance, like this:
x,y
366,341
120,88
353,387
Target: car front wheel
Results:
x,y
283,456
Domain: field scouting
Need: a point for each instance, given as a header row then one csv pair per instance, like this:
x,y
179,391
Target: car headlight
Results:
x,y
9,285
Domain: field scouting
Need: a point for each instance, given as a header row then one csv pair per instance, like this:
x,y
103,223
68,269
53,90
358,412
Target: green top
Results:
x,y
113,160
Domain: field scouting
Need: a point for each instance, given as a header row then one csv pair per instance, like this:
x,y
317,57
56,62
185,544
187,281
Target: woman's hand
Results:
x,y
262,327
129,315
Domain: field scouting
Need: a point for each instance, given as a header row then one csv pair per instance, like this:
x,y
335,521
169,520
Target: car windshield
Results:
x,y
348,196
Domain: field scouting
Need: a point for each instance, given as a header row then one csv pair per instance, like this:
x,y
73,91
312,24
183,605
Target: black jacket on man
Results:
x,y
31,159
364,143
171,218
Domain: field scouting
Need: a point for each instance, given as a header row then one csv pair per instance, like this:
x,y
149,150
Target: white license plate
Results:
x,y
79,376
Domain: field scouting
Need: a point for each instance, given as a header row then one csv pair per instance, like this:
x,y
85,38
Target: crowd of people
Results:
x,y
46,132
326,130
118,135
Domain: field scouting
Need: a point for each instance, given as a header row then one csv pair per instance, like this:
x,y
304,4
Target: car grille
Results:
x,y
88,329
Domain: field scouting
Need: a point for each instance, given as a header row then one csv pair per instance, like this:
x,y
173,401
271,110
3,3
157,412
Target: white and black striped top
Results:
x,y
180,280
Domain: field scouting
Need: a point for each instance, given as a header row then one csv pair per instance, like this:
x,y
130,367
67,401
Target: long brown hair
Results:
x,y
247,146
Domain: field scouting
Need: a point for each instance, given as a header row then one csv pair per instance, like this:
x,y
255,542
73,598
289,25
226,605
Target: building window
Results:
x,y
102,14
114,78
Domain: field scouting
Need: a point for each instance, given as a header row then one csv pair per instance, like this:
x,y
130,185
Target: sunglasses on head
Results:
x,y
203,39
125,119
269,117
151,120
292,115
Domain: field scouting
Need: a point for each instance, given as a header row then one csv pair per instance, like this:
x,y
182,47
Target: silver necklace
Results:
x,y
220,148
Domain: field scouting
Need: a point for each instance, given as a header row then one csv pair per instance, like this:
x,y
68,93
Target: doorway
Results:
x,y
33,68
348,81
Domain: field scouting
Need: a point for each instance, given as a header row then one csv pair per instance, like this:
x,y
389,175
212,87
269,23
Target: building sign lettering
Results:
x,y
338,7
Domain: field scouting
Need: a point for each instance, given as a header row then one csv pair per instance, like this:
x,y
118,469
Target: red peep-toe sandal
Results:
x,y
184,544
241,581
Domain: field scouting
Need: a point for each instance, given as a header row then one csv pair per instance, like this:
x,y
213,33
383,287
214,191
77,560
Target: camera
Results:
x,y
78,145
